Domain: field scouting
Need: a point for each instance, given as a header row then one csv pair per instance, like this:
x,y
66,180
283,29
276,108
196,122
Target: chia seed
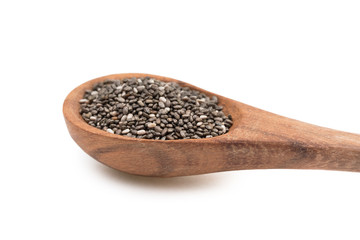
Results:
x,y
151,109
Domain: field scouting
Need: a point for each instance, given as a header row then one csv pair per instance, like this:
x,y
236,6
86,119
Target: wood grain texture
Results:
x,y
257,140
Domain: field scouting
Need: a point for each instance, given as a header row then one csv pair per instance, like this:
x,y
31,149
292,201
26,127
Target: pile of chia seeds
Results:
x,y
151,109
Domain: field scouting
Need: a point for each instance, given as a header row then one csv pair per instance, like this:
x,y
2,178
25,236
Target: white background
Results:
x,y
295,58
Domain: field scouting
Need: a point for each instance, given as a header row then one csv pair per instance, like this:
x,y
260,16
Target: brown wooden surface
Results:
x,y
257,140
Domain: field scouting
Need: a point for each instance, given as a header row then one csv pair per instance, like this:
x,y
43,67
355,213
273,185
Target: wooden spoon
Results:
x,y
257,140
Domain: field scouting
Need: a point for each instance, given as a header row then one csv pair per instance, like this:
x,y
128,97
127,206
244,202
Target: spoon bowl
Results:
x,y
256,140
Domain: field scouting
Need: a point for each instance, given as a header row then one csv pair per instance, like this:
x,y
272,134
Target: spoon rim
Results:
x,y
72,114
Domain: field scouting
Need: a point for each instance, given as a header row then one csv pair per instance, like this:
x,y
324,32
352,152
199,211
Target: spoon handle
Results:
x,y
267,140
